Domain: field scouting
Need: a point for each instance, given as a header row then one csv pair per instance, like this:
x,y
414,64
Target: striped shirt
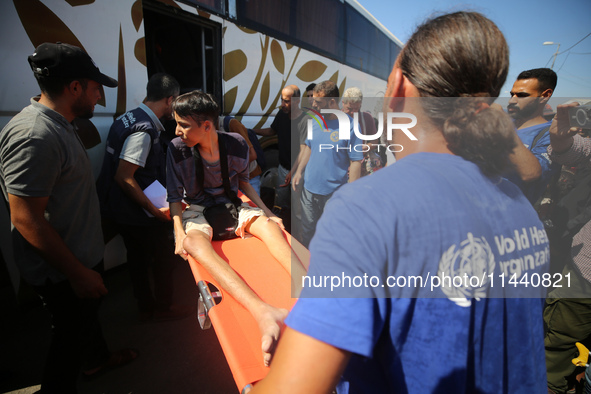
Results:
x,y
579,155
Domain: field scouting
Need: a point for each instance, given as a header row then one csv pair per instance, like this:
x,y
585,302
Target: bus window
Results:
x,y
311,24
217,6
368,48
323,29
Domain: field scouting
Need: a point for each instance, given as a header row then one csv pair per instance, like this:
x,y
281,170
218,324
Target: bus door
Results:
x,y
184,45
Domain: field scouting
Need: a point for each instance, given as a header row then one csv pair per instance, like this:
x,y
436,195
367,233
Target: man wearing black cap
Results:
x,y
45,176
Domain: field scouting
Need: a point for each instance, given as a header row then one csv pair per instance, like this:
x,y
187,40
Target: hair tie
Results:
x,y
483,105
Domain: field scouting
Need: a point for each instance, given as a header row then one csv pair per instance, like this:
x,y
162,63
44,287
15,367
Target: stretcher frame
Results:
x,y
236,329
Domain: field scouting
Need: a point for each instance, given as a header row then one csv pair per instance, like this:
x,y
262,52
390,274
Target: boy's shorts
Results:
x,y
193,219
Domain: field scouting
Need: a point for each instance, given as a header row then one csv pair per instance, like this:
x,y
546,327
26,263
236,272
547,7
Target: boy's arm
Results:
x,y
237,127
294,168
355,158
28,217
302,160
176,212
354,170
249,191
265,132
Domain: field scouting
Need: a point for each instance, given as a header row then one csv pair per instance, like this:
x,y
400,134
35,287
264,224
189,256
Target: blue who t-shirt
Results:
x,y
329,161
371,288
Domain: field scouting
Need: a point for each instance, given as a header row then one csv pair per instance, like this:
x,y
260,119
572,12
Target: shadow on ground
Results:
x,y
175,357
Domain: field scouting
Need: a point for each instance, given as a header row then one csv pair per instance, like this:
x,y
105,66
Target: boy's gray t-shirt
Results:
x,y
181,177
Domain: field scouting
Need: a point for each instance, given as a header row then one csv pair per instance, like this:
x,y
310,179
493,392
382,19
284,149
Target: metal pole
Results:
x,y
555,54
203,60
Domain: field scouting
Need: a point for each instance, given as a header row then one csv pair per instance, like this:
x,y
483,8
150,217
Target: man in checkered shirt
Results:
x,y
567,313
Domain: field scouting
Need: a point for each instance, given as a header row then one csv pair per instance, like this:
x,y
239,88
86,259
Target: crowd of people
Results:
x,y
461,199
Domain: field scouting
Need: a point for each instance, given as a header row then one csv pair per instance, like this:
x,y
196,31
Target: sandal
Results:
x,y
116,360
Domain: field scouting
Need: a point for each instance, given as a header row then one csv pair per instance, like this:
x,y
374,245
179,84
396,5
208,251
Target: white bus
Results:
x,y
243,52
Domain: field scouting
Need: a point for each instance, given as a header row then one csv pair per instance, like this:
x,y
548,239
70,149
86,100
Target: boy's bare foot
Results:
x,y
270,321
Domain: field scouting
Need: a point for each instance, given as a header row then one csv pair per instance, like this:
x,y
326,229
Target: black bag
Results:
x,y
223,218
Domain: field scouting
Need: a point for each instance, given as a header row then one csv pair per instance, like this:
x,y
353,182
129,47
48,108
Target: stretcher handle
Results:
x,y
205,303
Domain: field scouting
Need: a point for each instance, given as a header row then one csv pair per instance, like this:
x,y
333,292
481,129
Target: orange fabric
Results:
x,y
237,331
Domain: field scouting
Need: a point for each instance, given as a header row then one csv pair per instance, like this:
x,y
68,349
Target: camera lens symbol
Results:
x,y
581,116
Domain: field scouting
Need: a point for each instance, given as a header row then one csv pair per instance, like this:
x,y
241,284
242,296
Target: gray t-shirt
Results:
x,y
42,156
136,147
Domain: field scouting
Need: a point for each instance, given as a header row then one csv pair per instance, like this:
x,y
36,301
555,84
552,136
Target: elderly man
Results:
x,y
374,155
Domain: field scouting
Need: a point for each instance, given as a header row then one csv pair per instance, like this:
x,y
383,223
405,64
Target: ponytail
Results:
x,y
480,134
458,62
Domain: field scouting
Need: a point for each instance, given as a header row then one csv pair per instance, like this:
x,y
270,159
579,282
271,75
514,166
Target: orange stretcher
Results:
x,y
237,331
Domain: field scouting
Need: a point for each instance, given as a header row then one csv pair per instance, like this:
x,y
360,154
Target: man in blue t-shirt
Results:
x,y
328,159
529,96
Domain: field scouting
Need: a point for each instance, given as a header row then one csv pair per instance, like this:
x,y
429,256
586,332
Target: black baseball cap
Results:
x,y
67,61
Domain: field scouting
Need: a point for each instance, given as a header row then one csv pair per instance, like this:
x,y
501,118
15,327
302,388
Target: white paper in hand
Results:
x,y
156,193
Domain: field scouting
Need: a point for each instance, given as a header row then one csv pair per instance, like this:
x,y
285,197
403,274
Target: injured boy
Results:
x,y
200,185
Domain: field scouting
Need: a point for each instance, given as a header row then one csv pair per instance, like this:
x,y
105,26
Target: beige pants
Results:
x,y
193,219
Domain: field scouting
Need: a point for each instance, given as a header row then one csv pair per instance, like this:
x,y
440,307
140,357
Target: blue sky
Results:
x,y
526,26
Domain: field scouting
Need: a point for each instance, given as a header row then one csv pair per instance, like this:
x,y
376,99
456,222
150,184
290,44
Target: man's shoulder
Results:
x,y
301,119
281,115
538,126
424,172
540,134
30,124
179,151
136,120
237,145
281,119
23,119
367,116
534,129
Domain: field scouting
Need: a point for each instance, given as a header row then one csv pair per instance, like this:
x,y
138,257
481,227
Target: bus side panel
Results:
x,y
105,30
257,67
111,32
